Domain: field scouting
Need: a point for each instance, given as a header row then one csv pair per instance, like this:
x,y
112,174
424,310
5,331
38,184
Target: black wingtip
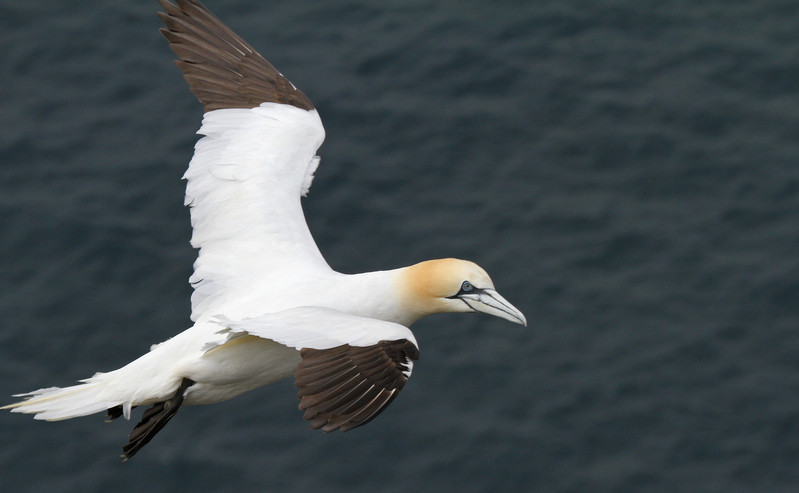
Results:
x,y
223,70
344,387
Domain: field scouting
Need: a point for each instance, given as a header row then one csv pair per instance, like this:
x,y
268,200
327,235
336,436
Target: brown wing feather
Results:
x,y
223,70
348,386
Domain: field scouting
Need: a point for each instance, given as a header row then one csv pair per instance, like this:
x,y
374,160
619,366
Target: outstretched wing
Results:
x,y
255,161
352,367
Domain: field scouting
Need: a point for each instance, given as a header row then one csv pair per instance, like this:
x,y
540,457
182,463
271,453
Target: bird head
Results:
x,y
453,285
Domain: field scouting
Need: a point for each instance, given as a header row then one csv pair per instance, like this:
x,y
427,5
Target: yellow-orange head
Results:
x,y
452,285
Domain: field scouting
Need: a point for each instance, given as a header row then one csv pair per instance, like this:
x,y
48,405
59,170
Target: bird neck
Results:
x,y
384,295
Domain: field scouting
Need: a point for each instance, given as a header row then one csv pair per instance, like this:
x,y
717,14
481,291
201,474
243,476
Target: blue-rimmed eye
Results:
x,y
466,287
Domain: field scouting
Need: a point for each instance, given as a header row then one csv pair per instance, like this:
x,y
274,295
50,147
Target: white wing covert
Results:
x,y
311,327
244,187
255,161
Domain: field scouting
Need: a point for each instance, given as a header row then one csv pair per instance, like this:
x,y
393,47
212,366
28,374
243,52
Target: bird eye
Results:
x,y
466,287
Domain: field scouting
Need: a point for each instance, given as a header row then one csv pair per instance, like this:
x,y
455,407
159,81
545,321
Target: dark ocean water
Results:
x,y
627,171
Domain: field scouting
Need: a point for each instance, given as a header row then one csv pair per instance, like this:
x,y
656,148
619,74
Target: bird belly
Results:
x,y
238,366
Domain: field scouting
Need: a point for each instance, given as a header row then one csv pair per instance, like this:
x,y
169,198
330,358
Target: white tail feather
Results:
x,y
146,380
55,403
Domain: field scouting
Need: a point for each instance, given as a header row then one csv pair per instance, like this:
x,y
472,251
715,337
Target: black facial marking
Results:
x,y
467,288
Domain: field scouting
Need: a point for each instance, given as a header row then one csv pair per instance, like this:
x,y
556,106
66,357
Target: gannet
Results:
x,y
266,305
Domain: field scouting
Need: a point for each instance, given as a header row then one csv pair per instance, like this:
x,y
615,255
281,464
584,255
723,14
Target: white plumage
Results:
x,y
244,189
266,305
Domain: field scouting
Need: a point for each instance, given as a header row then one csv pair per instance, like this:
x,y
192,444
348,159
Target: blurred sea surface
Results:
x,y
627,171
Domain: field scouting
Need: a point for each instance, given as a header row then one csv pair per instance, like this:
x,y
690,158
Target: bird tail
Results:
x,y
56,403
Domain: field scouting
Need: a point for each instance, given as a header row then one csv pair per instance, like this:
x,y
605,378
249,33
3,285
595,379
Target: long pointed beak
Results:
x,y
491,302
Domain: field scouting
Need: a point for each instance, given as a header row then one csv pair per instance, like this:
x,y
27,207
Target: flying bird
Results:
x,y
266,305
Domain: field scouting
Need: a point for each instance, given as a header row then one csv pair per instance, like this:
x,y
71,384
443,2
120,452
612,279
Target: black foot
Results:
x,y
114,412
152,420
